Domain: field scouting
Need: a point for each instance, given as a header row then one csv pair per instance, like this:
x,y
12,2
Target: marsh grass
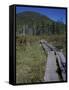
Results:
x,y
30,63
31,59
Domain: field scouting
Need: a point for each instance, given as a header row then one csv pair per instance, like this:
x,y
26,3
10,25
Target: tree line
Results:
x,y
41,28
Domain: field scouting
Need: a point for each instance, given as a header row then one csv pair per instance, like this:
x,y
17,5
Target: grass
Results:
x,y
30,63
59,41
30,58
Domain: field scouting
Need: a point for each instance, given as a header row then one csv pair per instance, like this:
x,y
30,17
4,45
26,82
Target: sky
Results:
x,y
55,14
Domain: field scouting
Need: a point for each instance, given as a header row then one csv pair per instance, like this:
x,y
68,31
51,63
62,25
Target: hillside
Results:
x,y
36,24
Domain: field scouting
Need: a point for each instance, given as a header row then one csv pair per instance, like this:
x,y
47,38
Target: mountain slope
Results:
x,y
34,22
28,17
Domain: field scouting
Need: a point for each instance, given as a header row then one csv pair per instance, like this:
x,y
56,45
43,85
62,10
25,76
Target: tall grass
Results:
x,y
59,41
30,63
31,59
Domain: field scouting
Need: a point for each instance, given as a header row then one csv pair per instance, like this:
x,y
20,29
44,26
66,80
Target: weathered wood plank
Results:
x,y
51,67
54,56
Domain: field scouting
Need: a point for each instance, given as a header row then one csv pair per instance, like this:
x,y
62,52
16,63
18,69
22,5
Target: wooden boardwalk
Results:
x,y
51,68
53,58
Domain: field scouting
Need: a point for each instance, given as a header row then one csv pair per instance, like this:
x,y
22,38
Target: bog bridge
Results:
x,y
56,63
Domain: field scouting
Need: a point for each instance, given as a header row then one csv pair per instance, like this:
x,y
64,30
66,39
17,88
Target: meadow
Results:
x,y
30,63
31,59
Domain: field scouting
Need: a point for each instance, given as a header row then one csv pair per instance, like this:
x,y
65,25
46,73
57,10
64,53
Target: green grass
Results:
x,y
30,63
31,59
59,41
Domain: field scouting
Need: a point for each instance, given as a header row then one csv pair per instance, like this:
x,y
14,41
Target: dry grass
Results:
x,y
30,63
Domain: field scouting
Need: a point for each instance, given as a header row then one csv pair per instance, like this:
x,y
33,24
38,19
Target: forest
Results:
x,y
32,23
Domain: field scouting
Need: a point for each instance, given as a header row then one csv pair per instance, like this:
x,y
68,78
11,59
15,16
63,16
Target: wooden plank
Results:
x,y
62,64
51,67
